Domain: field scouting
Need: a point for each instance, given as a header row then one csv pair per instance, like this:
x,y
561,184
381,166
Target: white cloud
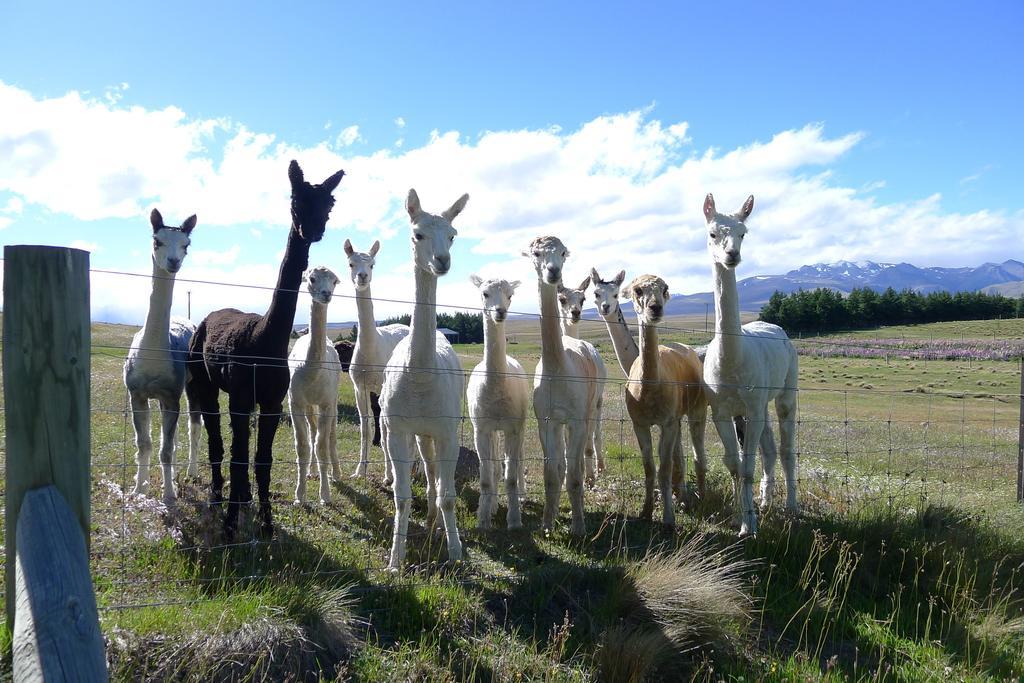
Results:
x,y
348,136
400,122
622,190
5,221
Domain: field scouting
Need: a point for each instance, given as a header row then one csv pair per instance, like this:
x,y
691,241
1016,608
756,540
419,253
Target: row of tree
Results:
x,y
470,326
826,310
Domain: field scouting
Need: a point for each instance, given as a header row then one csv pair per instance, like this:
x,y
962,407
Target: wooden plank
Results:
x,y
1020,438
56,633
46,361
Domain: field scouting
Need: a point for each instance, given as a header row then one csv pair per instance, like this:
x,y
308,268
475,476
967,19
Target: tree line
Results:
x,y
827,310
470,326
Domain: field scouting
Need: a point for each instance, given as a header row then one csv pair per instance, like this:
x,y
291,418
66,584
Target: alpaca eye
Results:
x,y
452,238
418,236
637,293
714,236
486,295
157,243
536,253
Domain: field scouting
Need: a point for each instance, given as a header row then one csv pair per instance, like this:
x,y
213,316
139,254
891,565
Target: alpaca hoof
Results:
x,y
748,528
514,524
266,519
578,530
192,472
216,499
647,512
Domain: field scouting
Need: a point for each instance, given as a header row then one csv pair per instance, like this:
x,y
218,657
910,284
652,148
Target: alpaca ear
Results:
x,y
709,208
331,183
748,206
412,205
375,248
475,279
348,248
594,276
156,220
583,285
514,284
295,174
189,224
626,292
620,278
456,208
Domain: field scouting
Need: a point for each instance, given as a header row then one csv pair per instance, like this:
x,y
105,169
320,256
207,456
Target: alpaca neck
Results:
x,y
281,315
649,366
367,329
156,331
727,311
494,347
570,329
424,321
626,350
551,346
317,332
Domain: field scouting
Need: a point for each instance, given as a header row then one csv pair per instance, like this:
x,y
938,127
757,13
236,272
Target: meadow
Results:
x,y
905,562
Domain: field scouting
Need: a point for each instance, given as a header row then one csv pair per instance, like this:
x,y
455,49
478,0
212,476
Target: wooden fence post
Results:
x,y
1020,438
46,363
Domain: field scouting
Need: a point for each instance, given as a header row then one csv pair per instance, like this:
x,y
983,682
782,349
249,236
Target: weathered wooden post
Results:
x,y
1020,438
50,604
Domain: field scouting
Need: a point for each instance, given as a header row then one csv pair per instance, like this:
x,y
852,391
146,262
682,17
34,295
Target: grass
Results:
x,y
905,563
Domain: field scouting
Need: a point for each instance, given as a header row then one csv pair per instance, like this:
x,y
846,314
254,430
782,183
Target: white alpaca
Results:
x,y
499,397
313,390
423,384
155,367
566,390
571,301
374,346
746,367
664,386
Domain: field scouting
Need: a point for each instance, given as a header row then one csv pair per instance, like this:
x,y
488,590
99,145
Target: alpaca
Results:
x,y
422,391
664,386
747,367
498,395
245,355
374,346
346,350
571,301
606,299
155,367
566,389
313,390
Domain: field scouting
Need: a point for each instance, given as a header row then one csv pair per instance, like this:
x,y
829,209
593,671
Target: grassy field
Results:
x,y
905,563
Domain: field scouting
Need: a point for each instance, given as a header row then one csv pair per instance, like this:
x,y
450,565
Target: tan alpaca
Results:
x,y
665,385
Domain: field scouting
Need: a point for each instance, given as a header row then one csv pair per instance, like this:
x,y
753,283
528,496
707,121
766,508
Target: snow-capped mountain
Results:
x,y
844,276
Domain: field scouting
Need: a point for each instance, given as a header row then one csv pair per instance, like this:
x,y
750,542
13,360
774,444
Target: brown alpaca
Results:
x,y
246,355
665,385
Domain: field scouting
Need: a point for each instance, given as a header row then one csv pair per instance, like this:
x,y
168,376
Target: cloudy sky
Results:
x,y
865,131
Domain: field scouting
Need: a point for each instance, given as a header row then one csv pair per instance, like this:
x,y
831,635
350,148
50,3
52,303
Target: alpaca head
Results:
x,y
320,282
548,255
648,294
606,294
311,204
496,296
725,232
361,264
432,236
571,300
170,244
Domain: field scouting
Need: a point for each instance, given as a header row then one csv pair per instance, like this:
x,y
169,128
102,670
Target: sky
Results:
x,y
865,131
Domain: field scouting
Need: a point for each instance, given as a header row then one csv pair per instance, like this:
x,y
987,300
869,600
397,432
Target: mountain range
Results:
x,y
1005,278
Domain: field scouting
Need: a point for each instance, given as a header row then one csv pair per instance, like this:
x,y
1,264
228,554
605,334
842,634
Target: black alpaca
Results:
x,y
246,355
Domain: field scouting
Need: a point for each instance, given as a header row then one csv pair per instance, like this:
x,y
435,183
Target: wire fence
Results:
x,y
879,426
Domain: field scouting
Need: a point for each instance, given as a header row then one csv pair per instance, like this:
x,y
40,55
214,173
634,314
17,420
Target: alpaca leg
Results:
x,y
599,435
270,418
194,431
768,457
389,465
579,433
323,453
726,429
755,424
513,471
401,456
643,439
447,459
485,450
428,456
301,430
375,406
365,430
143,442
209,407
667,446
589,460
240,492
785,407
553,446
697,419
678,467
332,446
169,414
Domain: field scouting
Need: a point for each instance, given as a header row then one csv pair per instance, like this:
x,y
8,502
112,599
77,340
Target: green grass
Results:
x,y
904,565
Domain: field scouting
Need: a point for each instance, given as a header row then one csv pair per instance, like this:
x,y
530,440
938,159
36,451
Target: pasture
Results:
x,y
905,563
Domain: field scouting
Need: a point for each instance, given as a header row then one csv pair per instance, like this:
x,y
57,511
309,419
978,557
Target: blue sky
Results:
x,y
882,131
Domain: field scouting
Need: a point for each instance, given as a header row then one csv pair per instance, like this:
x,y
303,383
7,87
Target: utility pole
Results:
x,y
189,313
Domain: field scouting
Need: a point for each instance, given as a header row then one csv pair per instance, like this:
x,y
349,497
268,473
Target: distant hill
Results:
x,y
994,278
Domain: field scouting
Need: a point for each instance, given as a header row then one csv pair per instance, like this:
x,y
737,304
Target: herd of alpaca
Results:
x,y
413,378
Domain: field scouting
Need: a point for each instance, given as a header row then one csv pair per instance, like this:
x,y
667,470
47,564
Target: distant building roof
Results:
x,y
445,331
